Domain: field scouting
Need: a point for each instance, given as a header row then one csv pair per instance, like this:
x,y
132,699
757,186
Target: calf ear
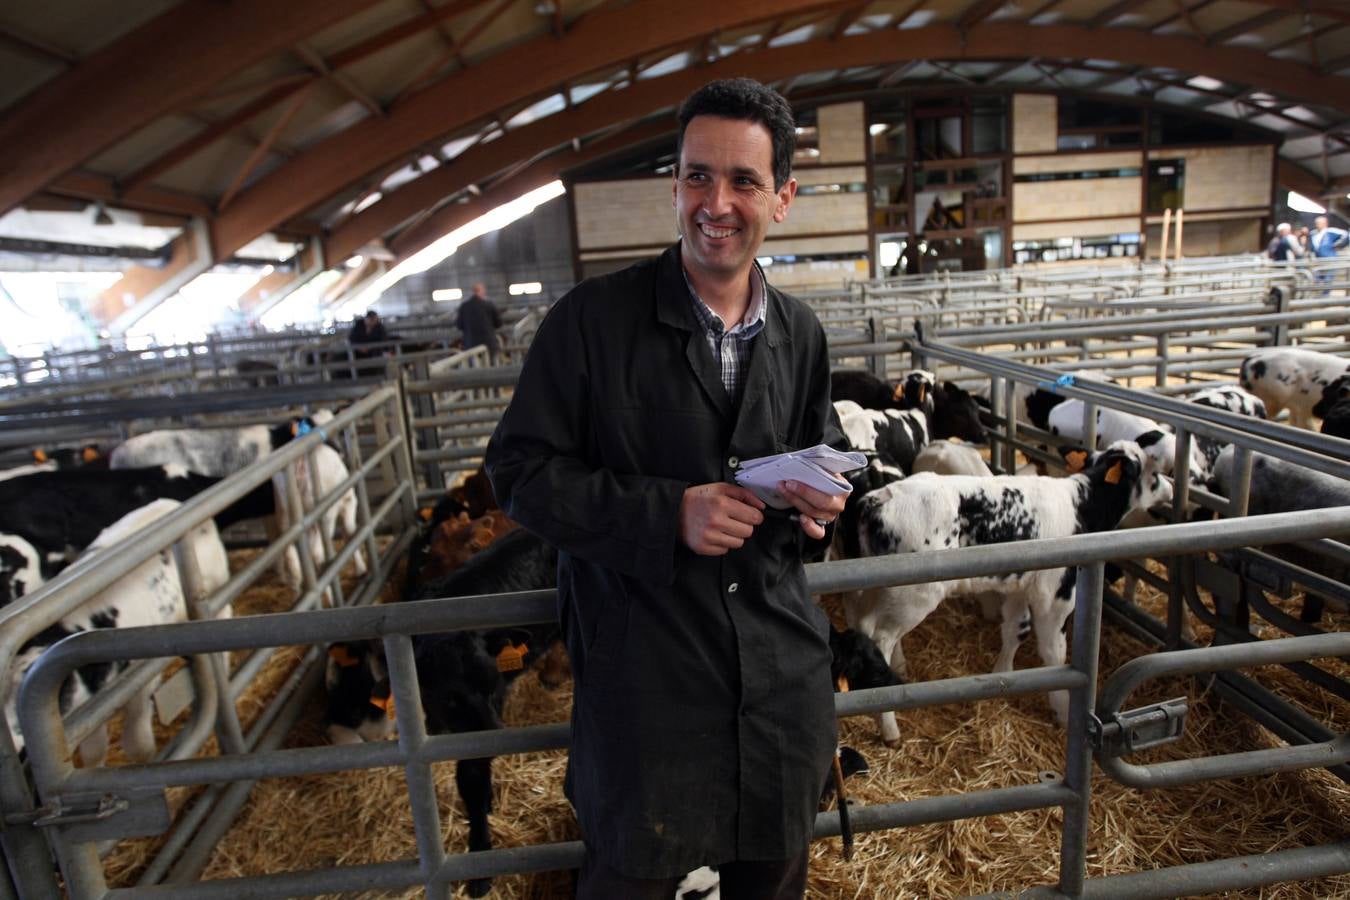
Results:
x,y
39,456
90,453
1074,457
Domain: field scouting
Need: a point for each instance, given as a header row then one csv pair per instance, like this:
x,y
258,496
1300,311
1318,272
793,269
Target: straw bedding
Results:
x,y
350,818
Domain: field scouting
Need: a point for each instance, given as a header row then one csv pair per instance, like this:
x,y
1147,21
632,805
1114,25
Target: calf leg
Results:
x,y
1016,626
138,735
94,748
473,777
347,513
1050,619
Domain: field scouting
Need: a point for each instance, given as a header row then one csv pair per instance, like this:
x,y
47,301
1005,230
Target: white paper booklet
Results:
x,y
812,467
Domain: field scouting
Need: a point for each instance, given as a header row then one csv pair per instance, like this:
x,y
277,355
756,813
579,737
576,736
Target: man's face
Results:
x,y
724,196
1320,222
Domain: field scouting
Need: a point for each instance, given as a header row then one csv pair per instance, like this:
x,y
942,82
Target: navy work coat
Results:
x,y
703,722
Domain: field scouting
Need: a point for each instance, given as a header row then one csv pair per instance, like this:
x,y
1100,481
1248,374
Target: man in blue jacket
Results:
x,y
1324,242
703,715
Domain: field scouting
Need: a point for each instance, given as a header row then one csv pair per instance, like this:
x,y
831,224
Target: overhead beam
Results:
x,y
141,288
977,12
532,68
155,69
990,41
1113,12
31,45
97,188
1260,20
1296,178
1330,9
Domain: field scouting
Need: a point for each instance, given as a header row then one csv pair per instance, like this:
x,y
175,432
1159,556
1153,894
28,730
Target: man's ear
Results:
x,y
784,200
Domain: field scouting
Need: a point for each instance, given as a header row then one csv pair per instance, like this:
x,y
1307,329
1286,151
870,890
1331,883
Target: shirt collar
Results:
x,y
754,312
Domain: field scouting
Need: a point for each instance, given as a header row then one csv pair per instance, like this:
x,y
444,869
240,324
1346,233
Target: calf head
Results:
x,y
956,414
1161,446
1121,480
917,390
856,663
1332,394
359,707
475,493
457,540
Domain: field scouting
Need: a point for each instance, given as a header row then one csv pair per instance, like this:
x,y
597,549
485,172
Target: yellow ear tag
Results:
x,y
40,456
1113,474
1075,460
339,654
295,429
385,703
89,454
841,684
425,512
923,391
512,658
899,392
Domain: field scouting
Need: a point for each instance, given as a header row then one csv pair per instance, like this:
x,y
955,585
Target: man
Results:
x,y
368,330
1284,246
703,717
1323,243
478,320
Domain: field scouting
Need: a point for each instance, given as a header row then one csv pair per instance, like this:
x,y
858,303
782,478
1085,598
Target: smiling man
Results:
x,y
703,719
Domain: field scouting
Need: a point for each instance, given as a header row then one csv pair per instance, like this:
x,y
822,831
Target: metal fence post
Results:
x,y
1087,627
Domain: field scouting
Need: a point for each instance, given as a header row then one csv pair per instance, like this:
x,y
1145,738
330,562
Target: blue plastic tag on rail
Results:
x,y
1061,381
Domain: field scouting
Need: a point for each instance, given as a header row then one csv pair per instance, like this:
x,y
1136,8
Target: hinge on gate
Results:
x,y
1139,729
78,811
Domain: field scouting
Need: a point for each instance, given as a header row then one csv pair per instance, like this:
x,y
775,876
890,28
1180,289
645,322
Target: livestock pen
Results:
x,y
989,795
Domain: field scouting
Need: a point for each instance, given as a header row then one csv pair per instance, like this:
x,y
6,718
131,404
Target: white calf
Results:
x,y
1291,378
150,594
930,512
951,458
315,481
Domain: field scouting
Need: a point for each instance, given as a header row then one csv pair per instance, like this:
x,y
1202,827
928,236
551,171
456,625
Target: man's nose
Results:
x,y
717,201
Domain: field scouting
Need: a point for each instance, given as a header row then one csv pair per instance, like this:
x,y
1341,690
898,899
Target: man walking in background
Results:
x,y
1323,243
478,320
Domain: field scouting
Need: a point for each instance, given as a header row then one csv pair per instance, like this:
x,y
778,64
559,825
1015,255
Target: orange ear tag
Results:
x,y
339,654
40,456
426,513
512,658
385,703
1075,460
1113,474
841,684
89,454
923,392
295,429
899,393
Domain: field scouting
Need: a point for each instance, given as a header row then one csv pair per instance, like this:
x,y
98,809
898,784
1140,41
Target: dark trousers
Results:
x,y
783,879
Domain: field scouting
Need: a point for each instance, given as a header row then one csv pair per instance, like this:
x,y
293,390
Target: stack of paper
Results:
x,y
814,467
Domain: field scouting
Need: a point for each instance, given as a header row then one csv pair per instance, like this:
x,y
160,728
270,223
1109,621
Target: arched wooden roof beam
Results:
x,y
151,71
994,41
531,68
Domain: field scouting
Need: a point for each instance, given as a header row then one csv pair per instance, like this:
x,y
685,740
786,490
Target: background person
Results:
x,y
703,718
1284,246
478,320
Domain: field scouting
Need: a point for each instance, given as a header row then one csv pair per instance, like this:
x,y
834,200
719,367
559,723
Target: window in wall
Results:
x,y
1107,246
1166,184
938,131
890,201
988,125
887,130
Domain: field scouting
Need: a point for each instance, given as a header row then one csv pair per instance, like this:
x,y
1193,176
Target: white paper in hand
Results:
x,y
812,467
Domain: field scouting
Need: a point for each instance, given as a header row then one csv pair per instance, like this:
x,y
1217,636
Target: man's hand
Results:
x,y
718,517
816,507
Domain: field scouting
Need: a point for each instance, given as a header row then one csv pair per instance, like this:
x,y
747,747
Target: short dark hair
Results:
x,y
745,98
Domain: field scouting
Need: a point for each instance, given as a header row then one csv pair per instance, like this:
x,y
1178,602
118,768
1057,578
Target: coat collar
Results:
x,y
673,300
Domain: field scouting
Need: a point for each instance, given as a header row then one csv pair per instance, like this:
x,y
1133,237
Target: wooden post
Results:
x,y
1167,227
1181,224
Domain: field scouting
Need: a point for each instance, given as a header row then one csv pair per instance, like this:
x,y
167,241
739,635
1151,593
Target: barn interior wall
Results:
x,y
842,128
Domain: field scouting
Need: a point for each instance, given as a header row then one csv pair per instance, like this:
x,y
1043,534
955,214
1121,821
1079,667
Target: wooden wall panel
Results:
x,y
1093,228
1078,162
1223,177
1035,123
1097,197
842,129
635,212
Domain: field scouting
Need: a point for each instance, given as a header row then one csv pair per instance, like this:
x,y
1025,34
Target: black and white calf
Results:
x,y
1291,378
931,512
21,568
316,474
1334,408
217,452
150,594
463,675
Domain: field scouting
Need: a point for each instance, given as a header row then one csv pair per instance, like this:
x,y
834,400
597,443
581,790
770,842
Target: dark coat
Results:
x,y
703,721
479,320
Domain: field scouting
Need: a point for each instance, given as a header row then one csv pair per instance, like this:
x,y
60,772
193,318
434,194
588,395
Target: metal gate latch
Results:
x,y
85,809
1139,729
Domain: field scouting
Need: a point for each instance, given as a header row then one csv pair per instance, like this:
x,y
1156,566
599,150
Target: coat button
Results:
x,y
731,588
733,462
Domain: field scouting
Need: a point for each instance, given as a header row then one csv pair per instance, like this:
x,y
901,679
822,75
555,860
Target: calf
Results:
x,y
473,497
1279,486
951,458
1291,378
463,675
930,512
457,540
317,474
217,452
150,594
950,411
21,568
857,664
1333,408
865,389
1228,397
